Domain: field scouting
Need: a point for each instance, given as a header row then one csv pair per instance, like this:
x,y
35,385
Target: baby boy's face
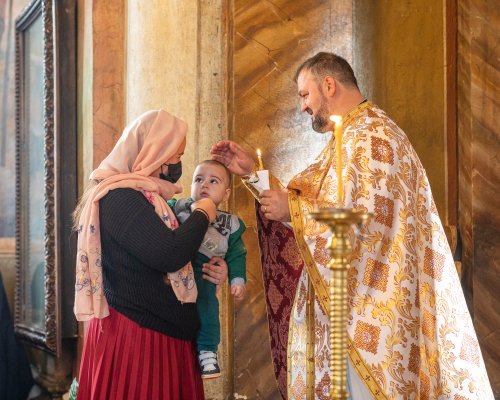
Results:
x,y
210,180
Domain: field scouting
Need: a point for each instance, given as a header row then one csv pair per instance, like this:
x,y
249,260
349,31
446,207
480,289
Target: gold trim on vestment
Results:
x,y
310,346
347,118
320,286
364,372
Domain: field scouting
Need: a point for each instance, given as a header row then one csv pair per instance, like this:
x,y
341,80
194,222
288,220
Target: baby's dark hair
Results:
x,y
215,162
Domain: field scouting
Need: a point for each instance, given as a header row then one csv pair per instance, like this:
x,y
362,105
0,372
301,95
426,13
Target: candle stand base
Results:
x,y
340,222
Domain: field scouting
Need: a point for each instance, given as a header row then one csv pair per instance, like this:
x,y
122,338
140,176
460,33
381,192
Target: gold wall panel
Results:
x,y
269,41
399,60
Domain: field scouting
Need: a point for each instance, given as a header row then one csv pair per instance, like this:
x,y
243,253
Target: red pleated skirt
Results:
x,y
122,360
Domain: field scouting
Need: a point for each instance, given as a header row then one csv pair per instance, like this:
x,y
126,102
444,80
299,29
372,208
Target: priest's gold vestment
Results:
x,y
410,333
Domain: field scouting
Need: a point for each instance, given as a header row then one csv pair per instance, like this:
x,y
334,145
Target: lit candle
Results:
x,y
337,120
261,166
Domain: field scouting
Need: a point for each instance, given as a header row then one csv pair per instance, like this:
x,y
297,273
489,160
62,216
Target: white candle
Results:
x,y
261,166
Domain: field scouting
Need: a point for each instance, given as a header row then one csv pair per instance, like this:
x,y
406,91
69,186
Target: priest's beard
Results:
x,y
321,120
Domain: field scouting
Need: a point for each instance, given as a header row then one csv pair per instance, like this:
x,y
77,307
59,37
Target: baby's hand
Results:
x,y
238,291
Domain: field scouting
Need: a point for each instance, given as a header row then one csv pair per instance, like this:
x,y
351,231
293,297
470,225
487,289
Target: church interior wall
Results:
x,y
479,171
399,59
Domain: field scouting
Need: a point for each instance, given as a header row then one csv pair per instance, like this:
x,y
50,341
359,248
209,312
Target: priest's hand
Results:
x,y
233,156
274,205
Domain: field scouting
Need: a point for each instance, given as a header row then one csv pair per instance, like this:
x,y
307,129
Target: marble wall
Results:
x,y
399,61
479,170
269,40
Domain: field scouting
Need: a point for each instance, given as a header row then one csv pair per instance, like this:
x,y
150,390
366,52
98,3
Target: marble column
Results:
x,y
101,65
175,60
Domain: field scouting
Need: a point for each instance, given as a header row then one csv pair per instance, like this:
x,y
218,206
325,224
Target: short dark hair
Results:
x,y
215,162
323,64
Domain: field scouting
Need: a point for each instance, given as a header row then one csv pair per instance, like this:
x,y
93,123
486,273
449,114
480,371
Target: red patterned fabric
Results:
x,y
281,268
122,360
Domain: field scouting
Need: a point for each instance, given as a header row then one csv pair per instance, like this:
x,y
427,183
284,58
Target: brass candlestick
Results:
x,y
339,220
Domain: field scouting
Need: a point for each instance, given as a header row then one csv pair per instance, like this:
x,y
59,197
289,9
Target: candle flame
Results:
x,y
336,118
258,152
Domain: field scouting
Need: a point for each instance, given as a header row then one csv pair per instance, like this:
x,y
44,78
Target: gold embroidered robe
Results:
x,y
410,333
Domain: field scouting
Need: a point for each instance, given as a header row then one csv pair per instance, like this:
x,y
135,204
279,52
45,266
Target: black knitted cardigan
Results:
x,y
137,250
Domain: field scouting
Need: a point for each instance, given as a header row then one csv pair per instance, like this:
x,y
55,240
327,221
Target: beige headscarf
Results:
x,y
146,143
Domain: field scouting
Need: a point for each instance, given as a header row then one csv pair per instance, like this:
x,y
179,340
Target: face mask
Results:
x,y
173,174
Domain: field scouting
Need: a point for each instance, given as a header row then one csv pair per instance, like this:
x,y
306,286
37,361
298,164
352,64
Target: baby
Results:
x,y
223,239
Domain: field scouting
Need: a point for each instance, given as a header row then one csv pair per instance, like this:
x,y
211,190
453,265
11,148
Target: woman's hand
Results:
x,y
232,155
215,271
206,205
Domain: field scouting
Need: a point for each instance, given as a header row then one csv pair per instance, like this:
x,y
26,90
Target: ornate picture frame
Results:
x,y
46,186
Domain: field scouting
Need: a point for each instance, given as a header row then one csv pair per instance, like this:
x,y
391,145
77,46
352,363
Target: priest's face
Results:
x,y
313,101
